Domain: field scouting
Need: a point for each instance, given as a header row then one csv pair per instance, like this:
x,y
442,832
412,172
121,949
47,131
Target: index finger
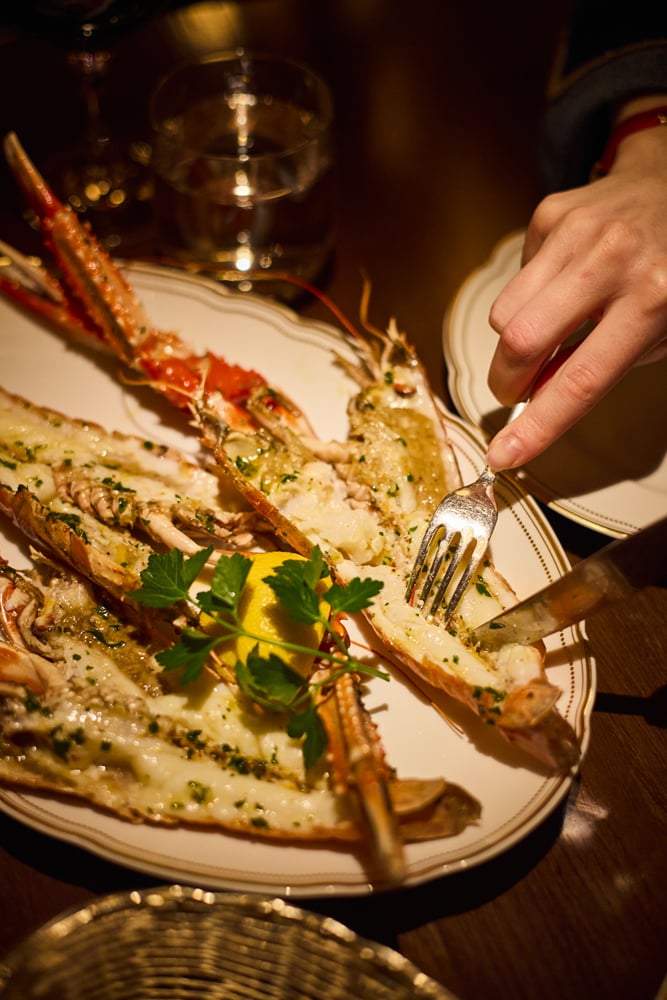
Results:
x,y
584,374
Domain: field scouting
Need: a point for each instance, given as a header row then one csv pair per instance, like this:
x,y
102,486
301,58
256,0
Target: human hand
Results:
x,y
593,253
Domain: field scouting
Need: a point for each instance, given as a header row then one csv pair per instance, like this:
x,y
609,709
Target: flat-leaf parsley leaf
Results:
x,y
267,680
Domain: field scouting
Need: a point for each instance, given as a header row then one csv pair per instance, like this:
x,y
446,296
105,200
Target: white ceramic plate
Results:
x,y
608,472
296,356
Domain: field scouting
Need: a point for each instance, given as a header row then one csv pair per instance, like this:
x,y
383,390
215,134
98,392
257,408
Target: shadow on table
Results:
x,y
381,917
58,860
385,916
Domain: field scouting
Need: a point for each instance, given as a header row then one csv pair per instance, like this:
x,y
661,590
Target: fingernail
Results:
x,y
505,452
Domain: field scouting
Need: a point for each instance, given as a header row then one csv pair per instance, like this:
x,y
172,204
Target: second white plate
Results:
x,y
608,472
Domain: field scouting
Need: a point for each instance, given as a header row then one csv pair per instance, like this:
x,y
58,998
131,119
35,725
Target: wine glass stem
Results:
x,y
91,67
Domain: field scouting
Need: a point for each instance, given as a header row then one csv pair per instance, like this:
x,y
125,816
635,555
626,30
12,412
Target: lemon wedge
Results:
x,y
262,614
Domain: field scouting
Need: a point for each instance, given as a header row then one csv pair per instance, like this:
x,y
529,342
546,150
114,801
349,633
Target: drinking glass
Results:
x,y
102,174
243,169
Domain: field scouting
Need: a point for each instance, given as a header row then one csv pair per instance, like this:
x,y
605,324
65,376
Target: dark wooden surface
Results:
x,y
437,113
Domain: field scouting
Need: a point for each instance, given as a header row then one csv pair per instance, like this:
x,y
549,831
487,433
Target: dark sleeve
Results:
x,y
612,52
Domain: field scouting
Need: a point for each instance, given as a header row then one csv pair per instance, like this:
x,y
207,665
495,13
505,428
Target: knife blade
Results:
x,y
610,575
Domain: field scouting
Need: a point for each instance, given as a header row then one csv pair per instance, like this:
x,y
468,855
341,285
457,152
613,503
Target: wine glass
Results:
x,y
102,174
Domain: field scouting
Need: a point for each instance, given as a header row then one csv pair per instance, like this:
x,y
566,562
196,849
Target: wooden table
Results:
x,y
437,112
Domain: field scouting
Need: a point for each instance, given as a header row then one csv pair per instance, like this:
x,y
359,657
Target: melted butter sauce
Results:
x,y
191,754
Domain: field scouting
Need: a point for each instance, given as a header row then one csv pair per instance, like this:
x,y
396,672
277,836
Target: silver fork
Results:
x,y
469,514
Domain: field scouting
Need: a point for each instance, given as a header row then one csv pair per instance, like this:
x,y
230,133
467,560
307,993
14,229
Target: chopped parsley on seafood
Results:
x,y
84,710
92,699
364,502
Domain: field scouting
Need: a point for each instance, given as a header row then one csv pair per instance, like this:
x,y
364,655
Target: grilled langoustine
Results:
x,y
85,711
85,707
365,501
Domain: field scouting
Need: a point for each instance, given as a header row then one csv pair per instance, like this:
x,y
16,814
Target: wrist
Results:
x,y
636,117
637,104
642,153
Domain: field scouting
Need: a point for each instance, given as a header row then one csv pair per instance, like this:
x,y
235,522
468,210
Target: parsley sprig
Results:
x,y
267,680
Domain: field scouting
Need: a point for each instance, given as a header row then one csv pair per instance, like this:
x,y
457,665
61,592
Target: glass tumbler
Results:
x,y
242,160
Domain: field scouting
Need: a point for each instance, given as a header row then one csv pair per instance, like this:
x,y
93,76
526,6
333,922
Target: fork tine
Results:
x,y
455,561
422,554
469,513
467,575
438,555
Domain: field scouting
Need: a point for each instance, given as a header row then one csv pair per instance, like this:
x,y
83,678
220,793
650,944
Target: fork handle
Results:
x,y
486,478
545,373
550,367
